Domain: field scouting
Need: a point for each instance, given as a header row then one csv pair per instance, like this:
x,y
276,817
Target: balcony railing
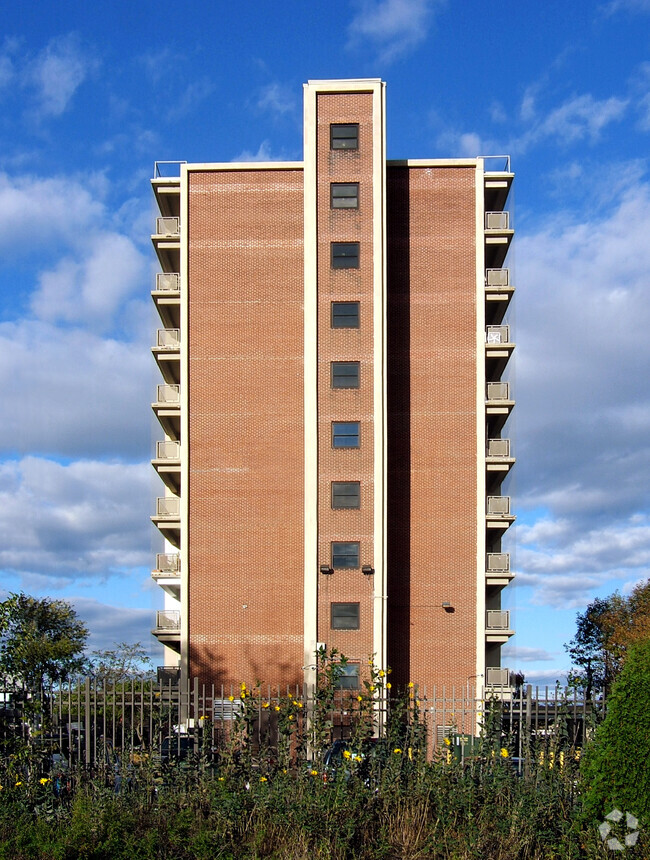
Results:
x,y
497,334
168,619
498,505
168,450
172,169
168,562
497,277
498,562
168,507
497,448
168,225
498,391
497,619
168,394
497,220
170,338
168,282
495,676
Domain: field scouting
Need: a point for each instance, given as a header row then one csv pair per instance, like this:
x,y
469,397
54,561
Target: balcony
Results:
x,y
498,236
167,298
167,409
168,573
497,682
167,464
497,626
498,349
168,518
498,292
498,516
497,569
497,181
166,185
167,353
168,628
167,242
498,461
498,405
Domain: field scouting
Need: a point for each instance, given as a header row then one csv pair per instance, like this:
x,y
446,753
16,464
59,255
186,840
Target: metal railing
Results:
x,y
497,334
170,338
497,277
496,163
168,393
167,169
498,391
168,619
168,507
498,505
497,619
168,450
498,448
168,282
168,225
496,676
497,220
168,562
498,561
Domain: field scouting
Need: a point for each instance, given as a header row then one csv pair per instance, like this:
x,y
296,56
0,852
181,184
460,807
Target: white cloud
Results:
x,y
82,521
109,624
263,154
526,655
73,393
277,99
393,27
193,95
92,289
642,6
56,73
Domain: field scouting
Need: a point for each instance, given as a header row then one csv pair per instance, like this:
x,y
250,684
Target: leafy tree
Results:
x,y
615,765
122,663
41,640
606,631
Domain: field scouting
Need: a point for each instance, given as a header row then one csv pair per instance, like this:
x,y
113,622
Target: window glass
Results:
x,y
345,555
348,677
345,314
345,434
345,374
345,255
346,494
344,195
345,616
344,135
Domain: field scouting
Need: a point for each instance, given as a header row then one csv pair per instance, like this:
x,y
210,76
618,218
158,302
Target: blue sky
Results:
x,y
92,94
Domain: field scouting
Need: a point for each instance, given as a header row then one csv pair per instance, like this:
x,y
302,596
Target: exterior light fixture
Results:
x,y
325,568
367,569
446,605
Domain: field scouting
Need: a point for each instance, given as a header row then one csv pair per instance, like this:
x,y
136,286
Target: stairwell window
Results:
x,y
344,616
345,374
345,255
346,434
345,314
344,135
344,195
346,495
345,555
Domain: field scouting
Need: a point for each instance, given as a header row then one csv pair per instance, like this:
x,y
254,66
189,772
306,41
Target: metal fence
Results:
x,y
89,721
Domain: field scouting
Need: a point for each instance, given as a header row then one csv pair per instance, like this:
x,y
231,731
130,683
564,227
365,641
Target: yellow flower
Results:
x,y
284,770
372,688
410,753
313,772
263,779
504,752
447,742
381,673
410,685
397,750
44,780
222,778
265,705
243,686
417,703
347,754
18,783
231,698
388,685
277,708
359,698
290,716
295,703
300,704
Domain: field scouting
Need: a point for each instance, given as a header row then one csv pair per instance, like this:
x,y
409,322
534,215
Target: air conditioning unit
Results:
x,y
168,281
498,562
497,220
497,277
498,505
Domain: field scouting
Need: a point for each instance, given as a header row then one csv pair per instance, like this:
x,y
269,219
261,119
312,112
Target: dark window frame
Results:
x,y
340,378
342,320
339,200
341,615
344,136
343,434
345,255
346,495
351,553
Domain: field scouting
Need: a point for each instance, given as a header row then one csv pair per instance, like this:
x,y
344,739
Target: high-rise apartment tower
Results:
x,y
332,405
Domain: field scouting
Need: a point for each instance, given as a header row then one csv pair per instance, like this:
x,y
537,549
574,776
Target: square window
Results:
x,y
345,255
345,374
346,494
348,677
344,195
344,135
345,555
346,434
345,314
344,616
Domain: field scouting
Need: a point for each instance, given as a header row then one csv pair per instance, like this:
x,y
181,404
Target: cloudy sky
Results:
x,y
92,93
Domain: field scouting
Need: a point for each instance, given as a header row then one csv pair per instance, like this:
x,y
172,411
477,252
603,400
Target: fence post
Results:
x,y
87,722
529,719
